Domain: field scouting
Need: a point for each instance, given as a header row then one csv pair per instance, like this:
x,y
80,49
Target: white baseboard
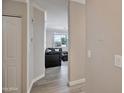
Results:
x,y
34,80
80,81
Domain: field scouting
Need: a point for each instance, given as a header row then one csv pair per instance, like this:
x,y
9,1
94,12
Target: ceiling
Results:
x,y
57,11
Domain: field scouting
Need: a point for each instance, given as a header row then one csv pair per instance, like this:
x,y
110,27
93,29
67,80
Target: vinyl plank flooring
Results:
x,y
55,81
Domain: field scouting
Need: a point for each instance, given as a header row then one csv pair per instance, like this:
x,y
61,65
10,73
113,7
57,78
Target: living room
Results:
x,y
56,41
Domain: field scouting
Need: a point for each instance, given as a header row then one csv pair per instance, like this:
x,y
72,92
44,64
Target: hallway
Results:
x,y
55,81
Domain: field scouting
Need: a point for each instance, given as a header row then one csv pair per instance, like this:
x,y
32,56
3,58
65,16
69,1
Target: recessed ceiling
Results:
x,y
57,12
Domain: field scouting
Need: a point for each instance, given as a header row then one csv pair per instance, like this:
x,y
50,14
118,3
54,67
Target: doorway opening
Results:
x,y
56,44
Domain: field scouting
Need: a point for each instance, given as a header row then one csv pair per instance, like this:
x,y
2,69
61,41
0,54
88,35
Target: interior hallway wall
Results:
x,y
104,38
76,42
15,8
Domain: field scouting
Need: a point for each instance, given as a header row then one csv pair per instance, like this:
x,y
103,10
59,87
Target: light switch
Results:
x,y
89,54
118,61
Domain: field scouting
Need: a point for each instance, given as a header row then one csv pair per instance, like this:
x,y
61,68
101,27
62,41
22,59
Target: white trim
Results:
x,y
28,30
34,80
80,81
22,1
57,28
79,1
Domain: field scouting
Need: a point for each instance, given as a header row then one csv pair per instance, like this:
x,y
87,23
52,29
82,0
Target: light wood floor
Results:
x,y
55,81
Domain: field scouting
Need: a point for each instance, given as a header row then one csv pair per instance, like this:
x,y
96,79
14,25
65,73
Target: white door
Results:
x,y
39,42
11,54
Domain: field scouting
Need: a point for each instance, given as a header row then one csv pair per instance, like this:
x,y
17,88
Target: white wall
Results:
x,y
77,34
49,37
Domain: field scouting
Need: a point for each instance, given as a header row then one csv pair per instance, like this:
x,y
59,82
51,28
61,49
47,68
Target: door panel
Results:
x,y
11,54
39,42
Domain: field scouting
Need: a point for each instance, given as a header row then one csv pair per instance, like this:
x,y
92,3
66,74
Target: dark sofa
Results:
x,y
53,57
64,56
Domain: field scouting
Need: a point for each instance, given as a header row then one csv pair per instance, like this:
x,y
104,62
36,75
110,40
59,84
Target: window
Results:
x,y
60,40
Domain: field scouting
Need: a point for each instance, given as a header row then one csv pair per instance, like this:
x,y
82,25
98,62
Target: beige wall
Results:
x,y
19,9
76,41
104,40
